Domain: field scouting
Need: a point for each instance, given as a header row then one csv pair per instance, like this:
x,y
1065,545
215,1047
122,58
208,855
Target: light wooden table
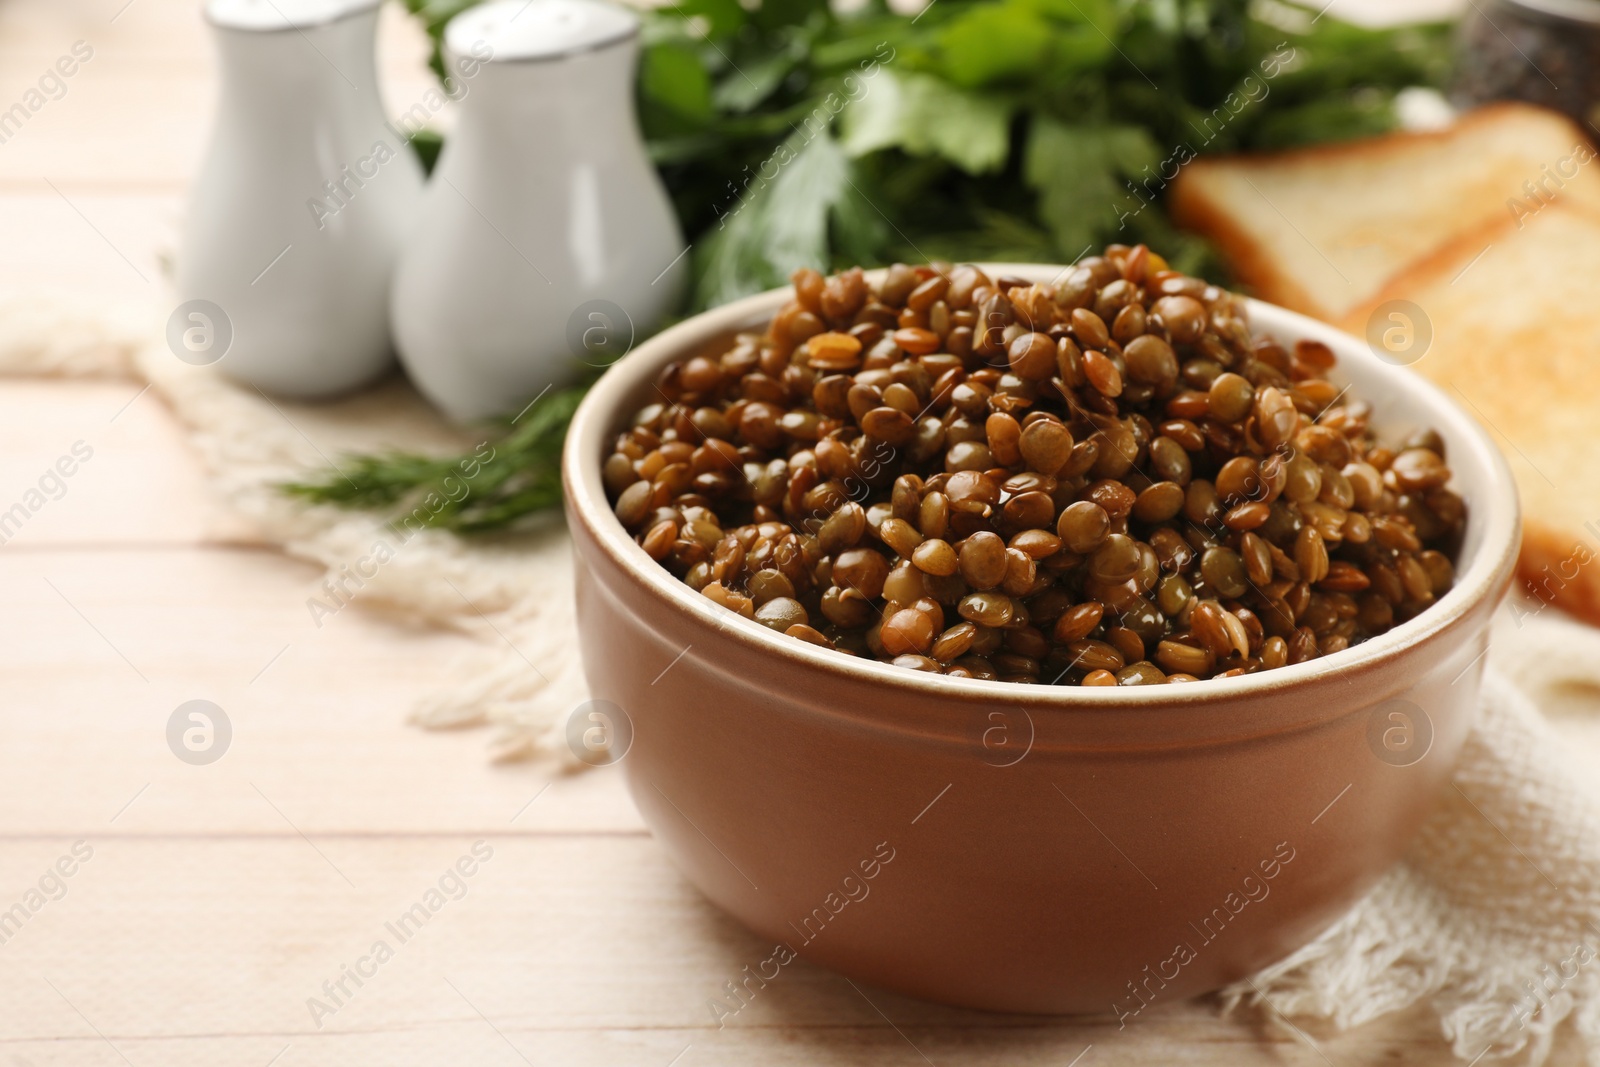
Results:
x,y
219,899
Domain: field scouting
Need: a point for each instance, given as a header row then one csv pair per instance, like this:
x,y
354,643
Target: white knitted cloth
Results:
x,y
511,591
1492,920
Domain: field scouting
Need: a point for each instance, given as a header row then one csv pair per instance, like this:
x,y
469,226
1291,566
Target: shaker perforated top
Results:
x,y
540,29
281,14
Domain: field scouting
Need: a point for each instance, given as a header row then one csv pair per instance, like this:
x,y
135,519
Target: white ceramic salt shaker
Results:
x,y
547,237
296,217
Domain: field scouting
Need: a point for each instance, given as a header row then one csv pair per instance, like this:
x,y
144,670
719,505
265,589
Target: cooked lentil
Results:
x,y
1105,481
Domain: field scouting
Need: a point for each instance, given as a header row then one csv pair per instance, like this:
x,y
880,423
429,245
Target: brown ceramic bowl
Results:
x,y
1027,848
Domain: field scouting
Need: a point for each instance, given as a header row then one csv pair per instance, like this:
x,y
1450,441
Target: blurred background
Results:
x,y
948,167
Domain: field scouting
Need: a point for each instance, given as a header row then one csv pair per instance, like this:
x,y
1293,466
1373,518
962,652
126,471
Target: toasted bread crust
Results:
x,y
1548,557
1446,261
1192,206
1442,262
1253,269
1559,565
1560,560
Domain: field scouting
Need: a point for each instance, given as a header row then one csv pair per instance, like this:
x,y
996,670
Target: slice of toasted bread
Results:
x,y
1516,339
1323,229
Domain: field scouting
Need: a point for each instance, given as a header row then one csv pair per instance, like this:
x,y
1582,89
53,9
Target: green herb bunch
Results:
x,y
791,134
499,484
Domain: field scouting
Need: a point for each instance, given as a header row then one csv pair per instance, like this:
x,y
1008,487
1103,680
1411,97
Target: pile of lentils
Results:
x,y
1101,481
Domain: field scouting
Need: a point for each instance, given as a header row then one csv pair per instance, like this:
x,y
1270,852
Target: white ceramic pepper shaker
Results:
x,y
546,232
295,219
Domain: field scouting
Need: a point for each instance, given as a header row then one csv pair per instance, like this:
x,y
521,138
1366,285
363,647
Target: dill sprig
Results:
x,y
514,474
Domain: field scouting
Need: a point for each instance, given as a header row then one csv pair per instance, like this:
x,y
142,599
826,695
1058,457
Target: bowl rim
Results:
x,y
1487,576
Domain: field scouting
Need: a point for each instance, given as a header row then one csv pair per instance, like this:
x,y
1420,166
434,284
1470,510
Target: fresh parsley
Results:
x,y
792,134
